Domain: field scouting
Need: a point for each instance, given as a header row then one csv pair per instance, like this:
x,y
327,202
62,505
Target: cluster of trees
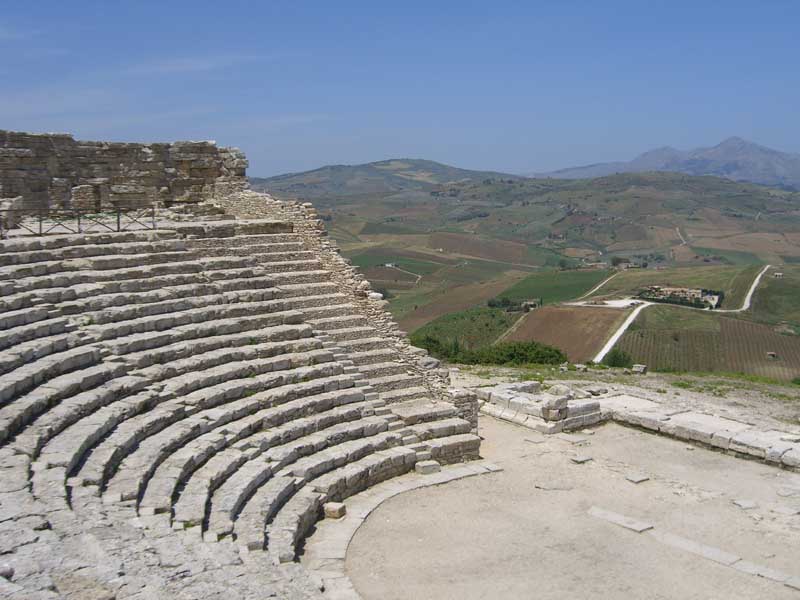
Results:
x,y
505,303
503,353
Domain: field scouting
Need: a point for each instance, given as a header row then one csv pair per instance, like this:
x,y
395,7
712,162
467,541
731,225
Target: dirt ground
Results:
x,y
532,531
579,332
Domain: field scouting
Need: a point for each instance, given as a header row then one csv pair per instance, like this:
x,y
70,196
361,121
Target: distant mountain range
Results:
x,y
734,158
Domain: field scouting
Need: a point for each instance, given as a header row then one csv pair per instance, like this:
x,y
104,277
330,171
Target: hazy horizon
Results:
x,y
510,88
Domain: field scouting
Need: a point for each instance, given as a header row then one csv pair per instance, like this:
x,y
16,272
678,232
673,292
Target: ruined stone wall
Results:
x,y
56,171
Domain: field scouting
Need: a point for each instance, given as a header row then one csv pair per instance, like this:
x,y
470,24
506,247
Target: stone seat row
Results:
x,y
214,395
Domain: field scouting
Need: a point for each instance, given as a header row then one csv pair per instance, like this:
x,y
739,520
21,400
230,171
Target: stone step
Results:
x,y
250,528
246,240
321,302
229,499
291,266
132,312
341,336
422,410
404,394
235,248
394,382
293,521
324,410
380,370
170,269
148,441
17,318
371,357
455,448
297,290
364,344
26,352
15,336
53,242
186,349
94,263
336,323
283,279
85,375
202,288
172,320
139,342
65,295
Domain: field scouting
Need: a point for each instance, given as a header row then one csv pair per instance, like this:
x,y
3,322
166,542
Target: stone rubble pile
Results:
x,y
177,406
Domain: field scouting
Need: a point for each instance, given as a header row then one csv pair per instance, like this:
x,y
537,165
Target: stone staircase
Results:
x,y
166,390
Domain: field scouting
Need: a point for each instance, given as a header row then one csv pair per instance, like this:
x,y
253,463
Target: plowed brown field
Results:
x,y
579,331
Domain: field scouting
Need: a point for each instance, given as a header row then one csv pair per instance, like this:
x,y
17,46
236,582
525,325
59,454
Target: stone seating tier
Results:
x,y
208,383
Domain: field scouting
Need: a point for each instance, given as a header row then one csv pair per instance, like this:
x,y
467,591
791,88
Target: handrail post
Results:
x,y
119,219
78,214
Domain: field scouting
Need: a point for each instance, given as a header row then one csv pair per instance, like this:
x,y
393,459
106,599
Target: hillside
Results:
x,y
383,177
734,158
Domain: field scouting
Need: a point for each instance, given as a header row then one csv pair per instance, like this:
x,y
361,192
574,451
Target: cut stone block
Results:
x,y
334,510
426,467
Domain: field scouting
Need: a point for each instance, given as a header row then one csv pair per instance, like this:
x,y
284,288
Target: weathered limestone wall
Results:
x,y
57,171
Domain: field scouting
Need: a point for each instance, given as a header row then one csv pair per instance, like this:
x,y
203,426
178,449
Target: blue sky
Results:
x,y
512,86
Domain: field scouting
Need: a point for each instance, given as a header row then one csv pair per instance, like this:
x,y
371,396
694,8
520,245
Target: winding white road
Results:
x,y
748,299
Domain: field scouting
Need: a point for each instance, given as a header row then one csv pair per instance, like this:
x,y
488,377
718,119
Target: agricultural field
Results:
x,y
676,339
777,301
578,331
733,280
472,328
556,286
417,307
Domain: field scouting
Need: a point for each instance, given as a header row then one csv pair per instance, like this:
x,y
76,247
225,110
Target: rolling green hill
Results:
x,y
383,177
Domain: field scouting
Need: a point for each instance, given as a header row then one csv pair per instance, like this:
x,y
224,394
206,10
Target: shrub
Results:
x,y
504,353
618,358
796,381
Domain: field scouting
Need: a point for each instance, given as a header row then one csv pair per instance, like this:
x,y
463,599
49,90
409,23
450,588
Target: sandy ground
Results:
x,y
527,533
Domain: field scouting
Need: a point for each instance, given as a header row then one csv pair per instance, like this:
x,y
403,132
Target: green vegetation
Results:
x,y
504,353
555,286
377,257
796,381
778,300
730,257
618,358
472,328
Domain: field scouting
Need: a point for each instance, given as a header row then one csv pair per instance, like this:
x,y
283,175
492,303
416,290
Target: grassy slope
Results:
x,y
473,328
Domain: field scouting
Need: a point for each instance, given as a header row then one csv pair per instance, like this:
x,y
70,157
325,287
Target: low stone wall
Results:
x,y
56,171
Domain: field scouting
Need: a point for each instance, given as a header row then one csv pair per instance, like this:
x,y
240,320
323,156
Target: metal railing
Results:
x,y
34,221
